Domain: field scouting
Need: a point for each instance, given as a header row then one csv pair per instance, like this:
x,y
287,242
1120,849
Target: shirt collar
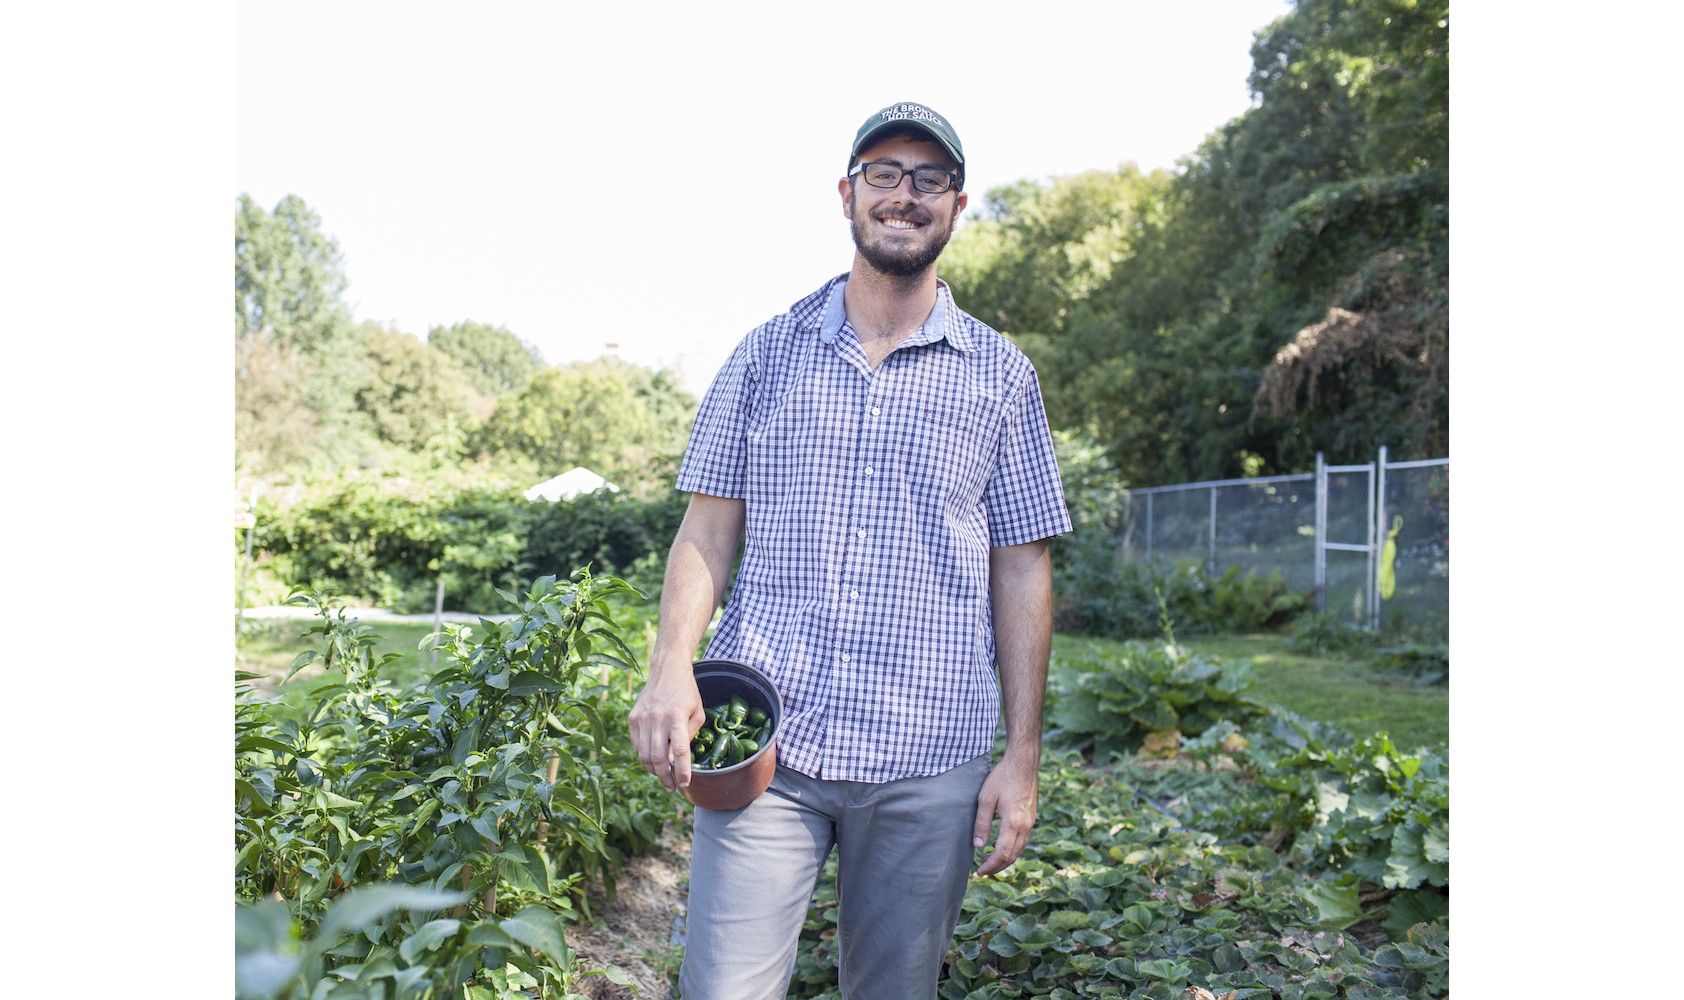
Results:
x,y
941,323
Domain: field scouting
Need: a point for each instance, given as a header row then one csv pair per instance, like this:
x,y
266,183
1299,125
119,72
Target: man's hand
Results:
x,y
667,714
669,711
1008,793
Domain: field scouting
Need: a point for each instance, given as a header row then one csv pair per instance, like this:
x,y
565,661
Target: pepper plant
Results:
x,y
485,779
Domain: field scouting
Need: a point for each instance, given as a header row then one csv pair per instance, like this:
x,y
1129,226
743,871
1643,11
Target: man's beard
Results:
x,y
902,263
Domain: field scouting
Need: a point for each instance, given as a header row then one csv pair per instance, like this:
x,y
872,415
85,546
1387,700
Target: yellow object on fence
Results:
x,y
1388,559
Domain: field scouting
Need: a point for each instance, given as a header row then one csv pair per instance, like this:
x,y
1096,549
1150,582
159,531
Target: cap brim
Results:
x,y
865,140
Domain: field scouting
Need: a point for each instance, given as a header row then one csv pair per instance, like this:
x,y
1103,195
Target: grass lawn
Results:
x,y
1346,691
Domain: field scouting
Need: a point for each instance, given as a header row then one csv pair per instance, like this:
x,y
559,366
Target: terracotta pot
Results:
x,y
736,786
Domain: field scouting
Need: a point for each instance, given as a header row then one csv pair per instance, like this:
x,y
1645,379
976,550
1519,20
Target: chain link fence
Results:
x,y
1325,532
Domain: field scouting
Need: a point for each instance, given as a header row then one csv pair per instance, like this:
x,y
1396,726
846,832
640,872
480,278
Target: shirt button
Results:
x,y
854,594
862,533
875,411
845,657
868,470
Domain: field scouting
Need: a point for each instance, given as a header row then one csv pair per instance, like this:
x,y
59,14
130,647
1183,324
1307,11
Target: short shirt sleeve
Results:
x,y
716,459
1024,498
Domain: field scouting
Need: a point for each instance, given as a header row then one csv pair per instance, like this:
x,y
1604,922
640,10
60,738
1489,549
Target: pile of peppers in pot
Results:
x,y
730,734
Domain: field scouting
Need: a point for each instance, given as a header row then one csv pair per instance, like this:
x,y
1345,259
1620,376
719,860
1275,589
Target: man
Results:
x,y
889,458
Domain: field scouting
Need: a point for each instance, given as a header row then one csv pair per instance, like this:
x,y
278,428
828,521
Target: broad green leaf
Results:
x,y
528,682
1407,865
405,981
1435,842
405,792
332,800
574,806
486,825
1336,901
538,928
260,802
1164,968
488,935
467,741
431,934
253,742
422,814
263,975
1406,909
365,904
1003,945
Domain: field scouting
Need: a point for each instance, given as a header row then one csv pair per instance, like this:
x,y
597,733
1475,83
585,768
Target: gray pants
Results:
x,y
905,857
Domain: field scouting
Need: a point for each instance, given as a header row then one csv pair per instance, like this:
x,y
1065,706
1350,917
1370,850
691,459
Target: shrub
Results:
x,y
1108,707
1122,599
1421,662
393,551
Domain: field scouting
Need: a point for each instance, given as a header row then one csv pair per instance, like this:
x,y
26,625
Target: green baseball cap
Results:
x,y
917,116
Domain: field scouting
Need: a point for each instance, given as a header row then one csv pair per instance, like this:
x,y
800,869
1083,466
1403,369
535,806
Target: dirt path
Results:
x,y
636,931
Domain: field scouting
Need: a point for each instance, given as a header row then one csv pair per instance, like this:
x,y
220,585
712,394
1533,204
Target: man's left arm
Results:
x,y
1020,586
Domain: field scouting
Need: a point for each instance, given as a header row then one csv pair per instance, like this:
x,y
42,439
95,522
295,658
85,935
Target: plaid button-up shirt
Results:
x,y
873,498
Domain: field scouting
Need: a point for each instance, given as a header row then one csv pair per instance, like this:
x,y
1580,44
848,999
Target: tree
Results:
x,y
626,422
288,275
495,359
274,425
289,315
1285,292
415,393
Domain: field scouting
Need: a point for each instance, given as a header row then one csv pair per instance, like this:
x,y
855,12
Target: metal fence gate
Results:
x,y
1325,532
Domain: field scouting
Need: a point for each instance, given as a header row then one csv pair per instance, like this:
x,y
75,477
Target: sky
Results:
x,y
560,169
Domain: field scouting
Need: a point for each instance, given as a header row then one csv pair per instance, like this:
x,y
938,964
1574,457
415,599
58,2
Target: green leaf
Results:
x,y
260,802
365,904
1435,843
599,733
528,682
252,742
332,800
567,801
1164,968
1407,865
1406,909
467,741
486,824
488,935
538,928
1003,945
299,662
432,934
423,814
1336,901
1022,926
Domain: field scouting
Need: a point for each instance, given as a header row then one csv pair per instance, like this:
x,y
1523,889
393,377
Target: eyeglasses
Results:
x,y
929,180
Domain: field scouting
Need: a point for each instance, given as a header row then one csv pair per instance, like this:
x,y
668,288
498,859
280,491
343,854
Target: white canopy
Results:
x,y
570,484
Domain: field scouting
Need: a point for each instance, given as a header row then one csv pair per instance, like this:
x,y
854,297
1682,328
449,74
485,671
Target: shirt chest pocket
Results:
x,y
949,448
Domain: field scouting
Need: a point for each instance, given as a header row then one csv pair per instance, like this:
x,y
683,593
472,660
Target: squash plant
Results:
x,y
483,780
1116,899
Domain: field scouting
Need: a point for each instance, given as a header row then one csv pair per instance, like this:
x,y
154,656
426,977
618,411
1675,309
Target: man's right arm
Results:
x,y
669,711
